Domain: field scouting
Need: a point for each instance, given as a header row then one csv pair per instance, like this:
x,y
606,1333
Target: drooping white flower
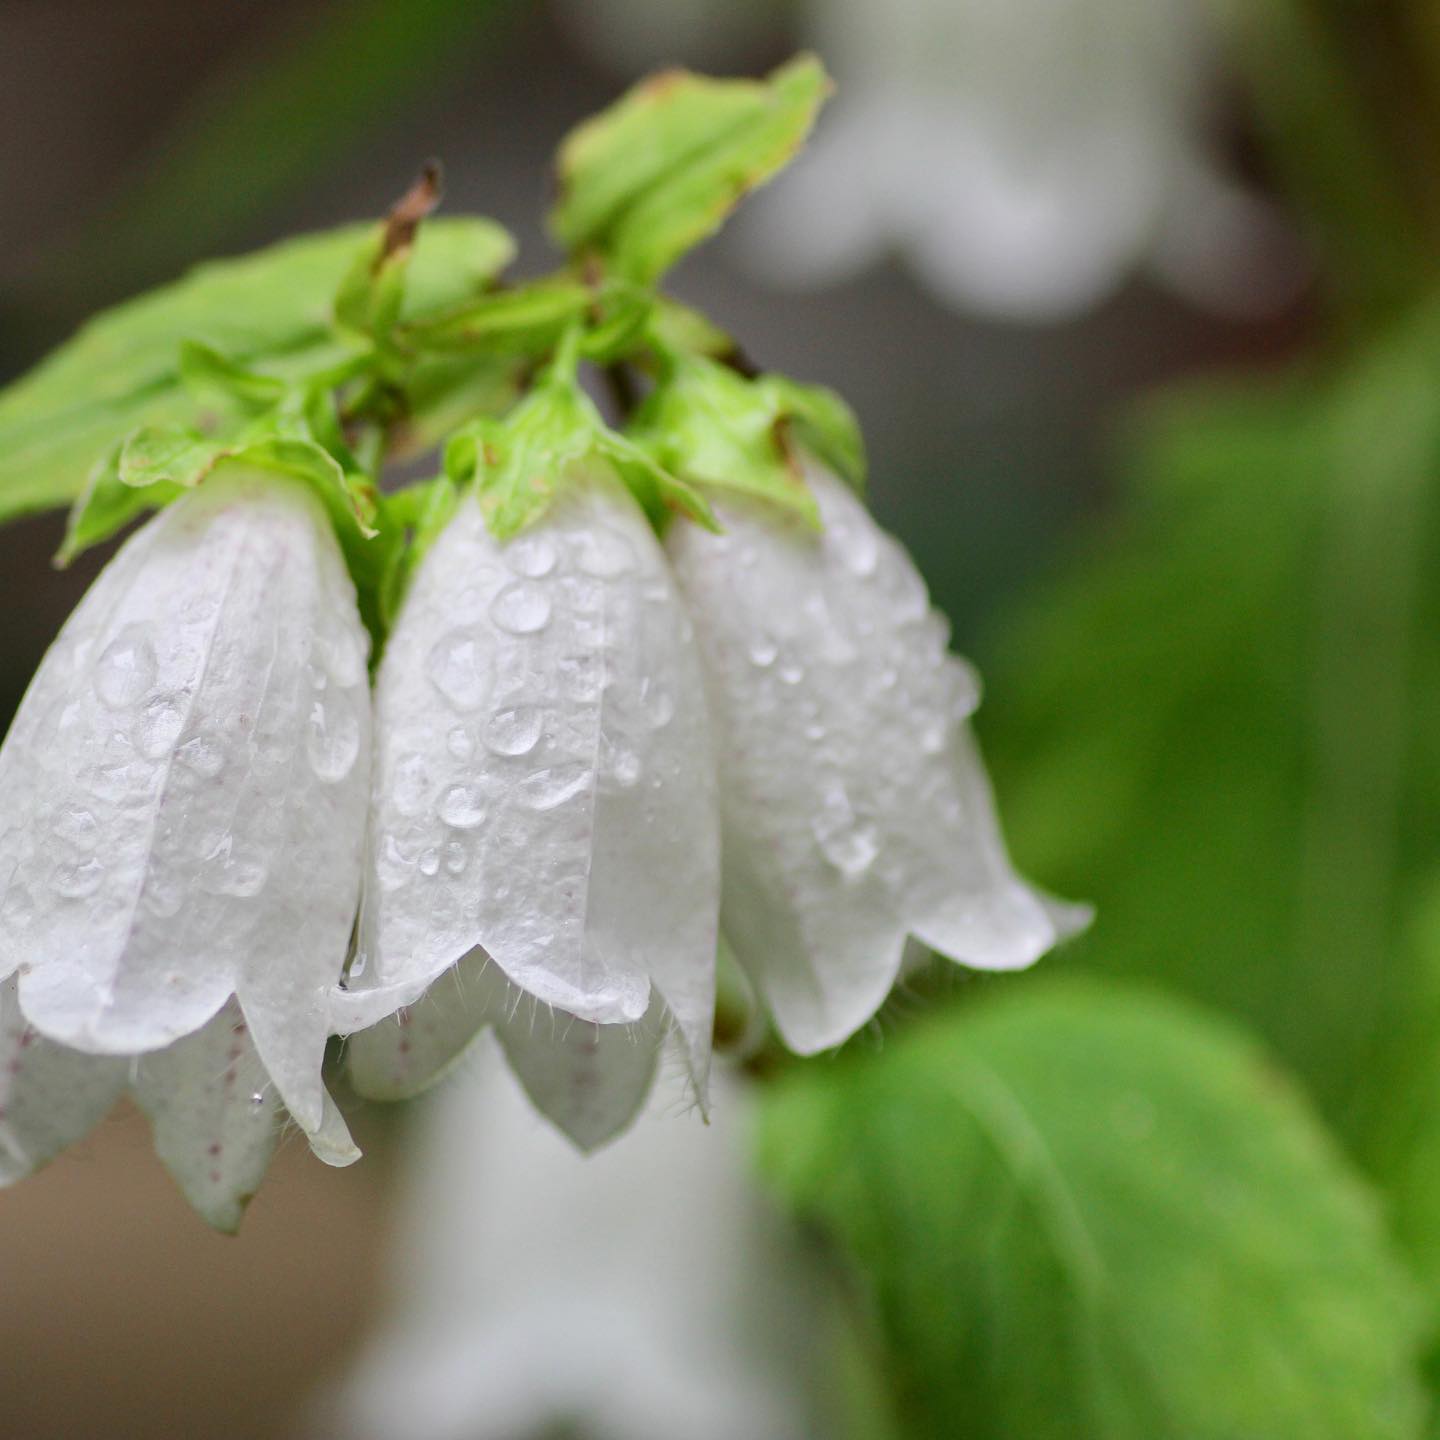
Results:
x,y
182,802
544,796
1026,156
855,808
644,1292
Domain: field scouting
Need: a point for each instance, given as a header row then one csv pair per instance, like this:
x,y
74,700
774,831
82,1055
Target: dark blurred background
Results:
x,y
136,139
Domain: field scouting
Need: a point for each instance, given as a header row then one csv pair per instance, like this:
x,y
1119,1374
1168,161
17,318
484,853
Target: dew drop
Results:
x,y
459,743
162,896
412,784
457,670
77,881
17,908
849,844
358,965
158,729
763,651
77,827
521,608
603,552
515,730
462,806
454,858
626,767
856,545
553,786
791,672
530,555
332,739
342,653
430,862
126,669
202,755
231,872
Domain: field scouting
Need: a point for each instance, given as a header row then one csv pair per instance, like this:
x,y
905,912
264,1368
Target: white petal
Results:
x,y
644,1292
590,1080
184,789
544,784
49,1096
214,1113
854,808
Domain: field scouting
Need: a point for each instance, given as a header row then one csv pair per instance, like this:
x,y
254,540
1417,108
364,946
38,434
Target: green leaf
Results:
x,y
528,320
413,518
1218,722
1083,1212
713,427
658,172
269,310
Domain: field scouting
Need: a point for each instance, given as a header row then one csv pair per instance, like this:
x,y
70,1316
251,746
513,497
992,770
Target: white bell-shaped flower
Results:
x,y
1026,157
544,790
645,1292
182,801
855,808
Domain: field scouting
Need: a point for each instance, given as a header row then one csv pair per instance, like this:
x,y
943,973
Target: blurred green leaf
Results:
x,y
1083,1212
1218,725
269,311
659,171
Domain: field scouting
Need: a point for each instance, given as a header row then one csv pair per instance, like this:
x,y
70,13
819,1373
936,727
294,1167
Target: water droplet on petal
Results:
x,y
462,806
545,789
430,862
455,858
162,895
77,881
856,545
530,555
849,844
603,552
763,651
158,728
522,608
77,827
459,743
342,653
332,738
17,908
202,755
514,730
458,670
412,784
126,669
625,767
791,672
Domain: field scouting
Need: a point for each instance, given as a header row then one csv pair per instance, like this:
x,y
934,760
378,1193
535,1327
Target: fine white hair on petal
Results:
x,y
544,781
50,1097
590,1080
640,1294
854,807
182,795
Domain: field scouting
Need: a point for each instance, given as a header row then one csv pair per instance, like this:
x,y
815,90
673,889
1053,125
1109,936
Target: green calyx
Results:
x,y
328,357
520,464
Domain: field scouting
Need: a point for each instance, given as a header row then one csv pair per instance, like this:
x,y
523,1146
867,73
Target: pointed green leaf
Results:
x,y
269,310
1083,1212
658,172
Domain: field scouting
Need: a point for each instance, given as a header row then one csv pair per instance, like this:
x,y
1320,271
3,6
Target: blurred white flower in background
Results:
x,y
1025,157
641,1294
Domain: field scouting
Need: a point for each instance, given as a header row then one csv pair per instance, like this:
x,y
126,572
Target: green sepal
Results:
x,y
658,172
682,328
108,504
530,320
412,518
211,377
518,464
713,427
